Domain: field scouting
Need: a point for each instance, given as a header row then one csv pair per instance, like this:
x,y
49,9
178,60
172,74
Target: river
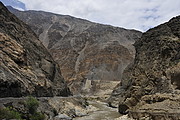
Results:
x,y
102,112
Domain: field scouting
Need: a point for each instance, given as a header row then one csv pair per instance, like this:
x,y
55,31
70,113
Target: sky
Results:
x,y
131,14
15,3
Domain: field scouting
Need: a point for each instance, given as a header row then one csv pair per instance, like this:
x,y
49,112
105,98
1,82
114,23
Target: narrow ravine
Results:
x,y
103,112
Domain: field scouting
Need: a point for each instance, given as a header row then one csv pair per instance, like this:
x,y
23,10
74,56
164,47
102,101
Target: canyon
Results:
x,y
91,56
82,70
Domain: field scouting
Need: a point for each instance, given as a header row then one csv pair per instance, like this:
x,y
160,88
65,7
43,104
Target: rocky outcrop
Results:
x,y
86,51
150,87
54,108
26,67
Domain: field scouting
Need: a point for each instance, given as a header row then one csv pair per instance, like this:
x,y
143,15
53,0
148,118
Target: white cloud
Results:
x,y
132,14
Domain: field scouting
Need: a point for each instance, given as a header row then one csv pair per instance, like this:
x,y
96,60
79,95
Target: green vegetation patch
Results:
x,y
31,104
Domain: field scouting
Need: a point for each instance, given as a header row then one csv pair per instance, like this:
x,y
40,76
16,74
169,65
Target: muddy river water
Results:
x,y
102,112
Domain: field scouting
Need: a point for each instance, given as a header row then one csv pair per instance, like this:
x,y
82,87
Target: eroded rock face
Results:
x,y
26,67
150,87
84,50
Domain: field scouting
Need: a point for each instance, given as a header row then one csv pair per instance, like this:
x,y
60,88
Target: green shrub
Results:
x,y
32,104
37,116
55,112
9,113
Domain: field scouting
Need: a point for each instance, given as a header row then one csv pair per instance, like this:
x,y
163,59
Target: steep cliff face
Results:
x,y
151,86
26,67
86,51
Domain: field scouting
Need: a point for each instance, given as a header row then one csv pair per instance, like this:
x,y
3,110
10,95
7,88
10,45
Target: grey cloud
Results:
x,y
132,14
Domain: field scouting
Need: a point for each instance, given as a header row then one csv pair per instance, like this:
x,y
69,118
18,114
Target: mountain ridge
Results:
x,y
15,3
12,8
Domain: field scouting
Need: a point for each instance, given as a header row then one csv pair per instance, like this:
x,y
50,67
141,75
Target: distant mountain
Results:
x,y
89,54
14,3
